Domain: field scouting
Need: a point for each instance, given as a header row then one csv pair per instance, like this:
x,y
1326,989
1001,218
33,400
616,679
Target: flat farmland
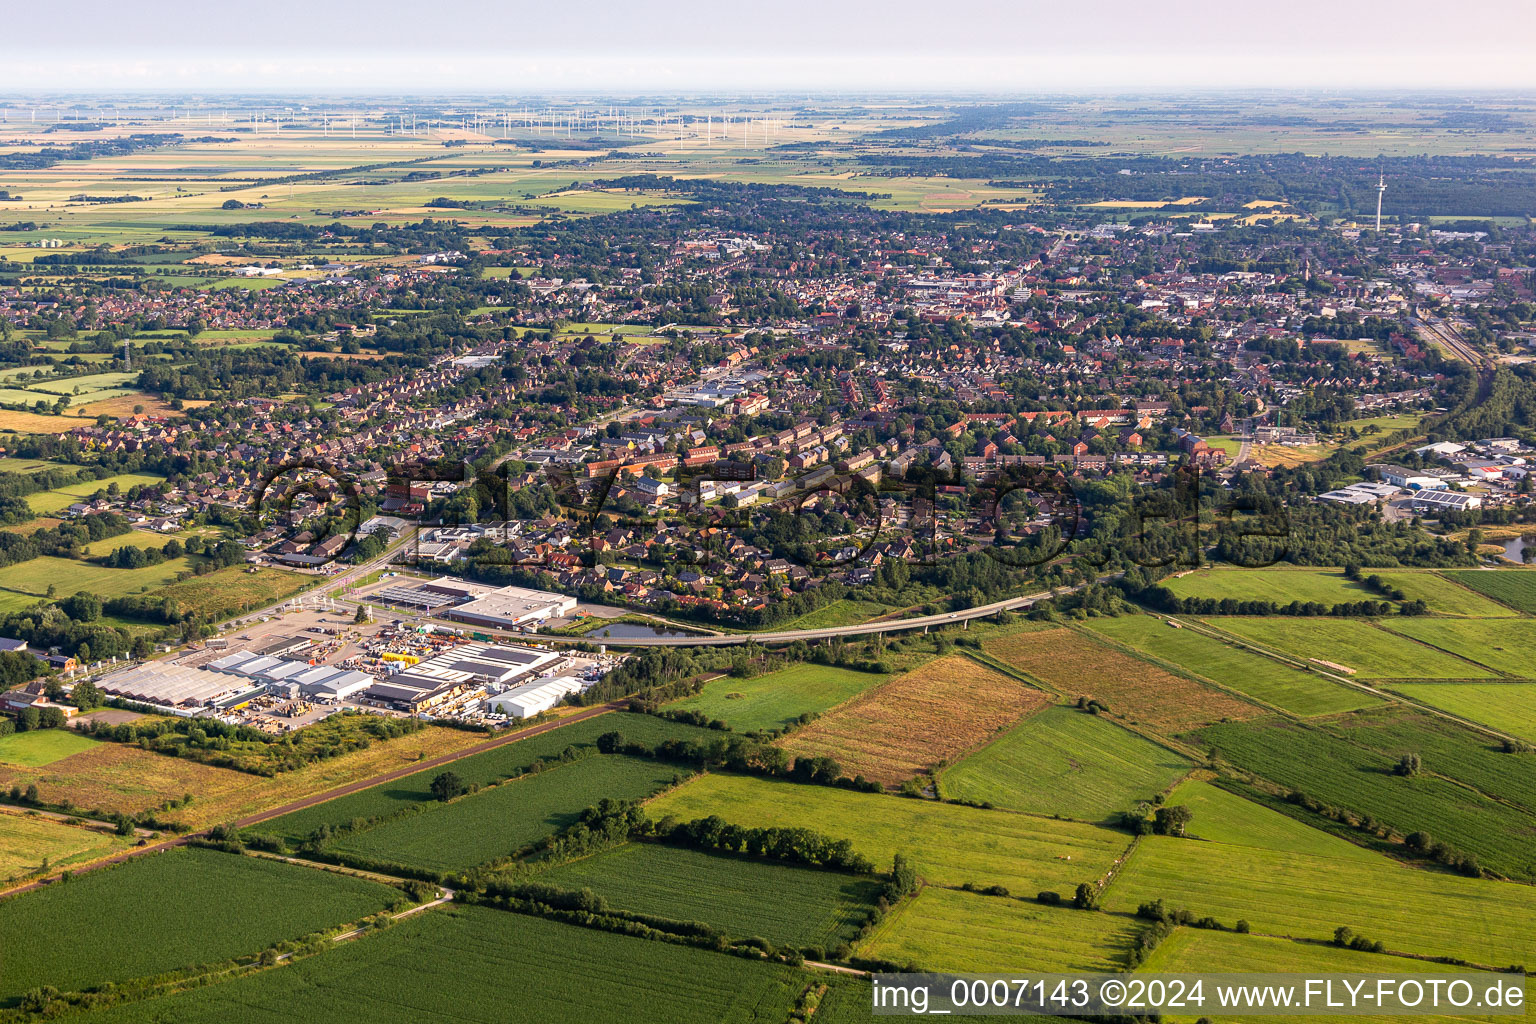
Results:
x,y
1514,587
117,777
46,502
451,964
921,718
1075,665
1507,645
1065,761
1308,895
1192,950
481,769
71,576
152,914
1442,592
1346,774
27,841
1280,585
233,590
40,747
955,931
502,820
1508,707
1373,653
1300,693
950,844
776,699
741,896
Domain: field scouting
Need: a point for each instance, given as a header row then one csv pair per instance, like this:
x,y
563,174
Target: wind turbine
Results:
x,y
1381,190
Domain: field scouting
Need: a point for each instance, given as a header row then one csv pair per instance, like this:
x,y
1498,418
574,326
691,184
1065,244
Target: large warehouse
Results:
x,y
511,607
469,665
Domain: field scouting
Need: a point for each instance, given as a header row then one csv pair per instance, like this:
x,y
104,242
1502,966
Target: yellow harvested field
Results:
x,y
1138,691
118,777
932,715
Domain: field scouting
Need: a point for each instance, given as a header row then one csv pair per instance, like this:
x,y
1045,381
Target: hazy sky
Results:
x,y
880,45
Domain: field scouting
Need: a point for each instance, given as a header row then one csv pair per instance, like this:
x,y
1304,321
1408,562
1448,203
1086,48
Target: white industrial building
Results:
x,y
319,681
531,698
510,607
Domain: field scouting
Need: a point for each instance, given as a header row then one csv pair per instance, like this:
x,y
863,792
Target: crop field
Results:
x,y
481,769
741,896
1075,665
1507,645
962,932
1345,774
1308,895
154,913
1514,587
502,820
27,842
41,747
233,590
774,700
117,777
1443,595
1192,950
1221,816
1373,653
949,844
451,964
1065,761
1300,693
921,718
1508,707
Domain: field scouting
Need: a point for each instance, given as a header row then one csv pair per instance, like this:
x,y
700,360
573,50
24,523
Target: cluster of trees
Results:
x,y
1146,819
62,541
733,753
792,845
1165,600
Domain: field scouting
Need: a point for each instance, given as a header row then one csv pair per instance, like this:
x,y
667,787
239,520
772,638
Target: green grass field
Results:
x,y
1508,707
29,841
1300,693
1346,774
1064,761
842,612
1373,653
950,844
502,820
47,502
42,746
70,576
1514,587
477,770
1307,892
741,896
155,913
1280,585
1443,594
452,964
777,699
955,931
1508,645
1195,950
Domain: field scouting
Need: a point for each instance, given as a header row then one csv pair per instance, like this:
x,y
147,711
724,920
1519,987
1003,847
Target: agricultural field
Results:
x,y
1373,653
1075,666
1064,761
741,896
1306,893
233,590
152,914
502,820
70,576
451,964
1345,773
480,769
1508,707
39,747
1265,679
777,699
28,842
1506,645
1193,950
1279,585
949,844
955,931
918,720
1513,587
1443,594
